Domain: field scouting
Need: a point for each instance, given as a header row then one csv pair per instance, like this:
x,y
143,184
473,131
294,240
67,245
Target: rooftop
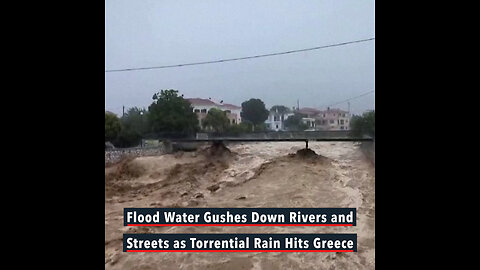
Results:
x,y
229,106
200,101
208,102
309,111
316,111
335,111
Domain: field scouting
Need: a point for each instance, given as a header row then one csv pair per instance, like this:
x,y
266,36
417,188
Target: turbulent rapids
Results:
x,y
247,175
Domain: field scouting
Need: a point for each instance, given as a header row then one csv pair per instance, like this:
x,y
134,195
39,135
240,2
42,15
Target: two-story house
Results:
x,y
333,119
201,107
276,119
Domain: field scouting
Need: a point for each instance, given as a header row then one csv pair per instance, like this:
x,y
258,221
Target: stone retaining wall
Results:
x,y
113,156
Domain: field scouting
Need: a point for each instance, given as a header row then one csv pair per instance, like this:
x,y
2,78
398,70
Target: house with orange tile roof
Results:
x,y
201,107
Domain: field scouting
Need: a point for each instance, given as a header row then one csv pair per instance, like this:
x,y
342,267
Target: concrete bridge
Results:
x,y
277,136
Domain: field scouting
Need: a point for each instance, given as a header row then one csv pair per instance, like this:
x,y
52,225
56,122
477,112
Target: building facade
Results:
x,y
310,116
329,119
333,119
276,120
202,106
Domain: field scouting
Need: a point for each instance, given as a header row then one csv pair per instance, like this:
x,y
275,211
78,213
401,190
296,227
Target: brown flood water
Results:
x,y
251,175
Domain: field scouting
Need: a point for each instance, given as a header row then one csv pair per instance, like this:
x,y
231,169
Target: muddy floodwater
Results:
x,y
260,174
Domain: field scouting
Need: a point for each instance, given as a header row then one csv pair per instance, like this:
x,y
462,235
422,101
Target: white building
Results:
x,y
276,120
309,118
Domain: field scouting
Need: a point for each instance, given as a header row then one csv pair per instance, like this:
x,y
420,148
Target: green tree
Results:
x,y
217,120
127,138
134,128
239,128
254,111
171,113
136,119
113,126
280,109
295,123
363,125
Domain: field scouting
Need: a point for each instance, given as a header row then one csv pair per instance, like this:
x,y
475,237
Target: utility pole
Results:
x,y
123,110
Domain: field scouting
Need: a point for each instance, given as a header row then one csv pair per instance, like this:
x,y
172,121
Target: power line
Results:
x,y
242,58
346,100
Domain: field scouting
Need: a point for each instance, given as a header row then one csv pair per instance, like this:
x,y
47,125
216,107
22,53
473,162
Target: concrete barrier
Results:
x,y
368,149
113,156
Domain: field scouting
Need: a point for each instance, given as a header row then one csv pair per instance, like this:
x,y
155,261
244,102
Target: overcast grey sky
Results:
x,y
145,33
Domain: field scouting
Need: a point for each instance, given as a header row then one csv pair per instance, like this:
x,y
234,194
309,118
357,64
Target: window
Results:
x,y
275,118
197,110
332,121
204,111
341,122
228,111
233,121
341,127
277,126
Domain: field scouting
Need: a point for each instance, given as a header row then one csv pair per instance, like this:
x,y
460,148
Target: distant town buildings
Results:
x,y
202,106
314,119
329,119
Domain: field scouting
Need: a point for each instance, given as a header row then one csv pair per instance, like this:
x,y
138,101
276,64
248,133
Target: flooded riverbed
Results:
x,y
244,175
